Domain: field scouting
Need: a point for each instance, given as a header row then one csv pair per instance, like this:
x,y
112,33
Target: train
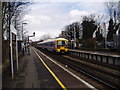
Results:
x,y
59,45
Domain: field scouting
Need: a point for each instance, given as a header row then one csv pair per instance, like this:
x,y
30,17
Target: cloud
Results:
x,y
78,12
52,17
66,0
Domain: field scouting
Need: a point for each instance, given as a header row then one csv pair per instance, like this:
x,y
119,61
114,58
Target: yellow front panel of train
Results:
x,y
62,48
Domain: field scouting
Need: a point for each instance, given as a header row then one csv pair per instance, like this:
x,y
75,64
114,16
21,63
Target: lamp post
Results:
x,y
29,42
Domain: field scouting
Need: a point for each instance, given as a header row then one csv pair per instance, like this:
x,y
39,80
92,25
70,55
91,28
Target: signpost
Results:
x,y
0,45
10,42
11,55
14,31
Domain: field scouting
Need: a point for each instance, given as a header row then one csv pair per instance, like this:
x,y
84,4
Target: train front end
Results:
x,y
62,45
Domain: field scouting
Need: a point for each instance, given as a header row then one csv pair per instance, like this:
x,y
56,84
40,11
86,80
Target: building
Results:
x,y
62,34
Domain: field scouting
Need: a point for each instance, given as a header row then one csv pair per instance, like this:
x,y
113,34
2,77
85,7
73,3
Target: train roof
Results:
x,y
60,39
48,40
51,40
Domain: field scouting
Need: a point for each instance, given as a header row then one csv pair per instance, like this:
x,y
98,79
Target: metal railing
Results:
x,y
105,58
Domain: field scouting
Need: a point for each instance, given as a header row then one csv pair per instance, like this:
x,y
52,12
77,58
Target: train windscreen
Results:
x,y
62,43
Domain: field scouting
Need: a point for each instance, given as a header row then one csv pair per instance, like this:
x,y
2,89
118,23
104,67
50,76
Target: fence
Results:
x,y
109,59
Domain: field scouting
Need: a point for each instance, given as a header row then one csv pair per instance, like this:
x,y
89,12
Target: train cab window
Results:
x,y
62,43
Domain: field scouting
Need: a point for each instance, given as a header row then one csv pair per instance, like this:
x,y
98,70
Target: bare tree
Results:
x,y
113,11
118,12
111,8
10,12
99,18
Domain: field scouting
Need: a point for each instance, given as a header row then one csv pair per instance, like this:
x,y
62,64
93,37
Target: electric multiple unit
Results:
x,y
58,45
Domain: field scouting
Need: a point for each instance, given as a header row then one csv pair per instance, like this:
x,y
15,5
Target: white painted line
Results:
x,y
86,83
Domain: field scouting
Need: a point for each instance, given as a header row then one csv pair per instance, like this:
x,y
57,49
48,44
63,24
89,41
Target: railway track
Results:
x,y
109,79
95,73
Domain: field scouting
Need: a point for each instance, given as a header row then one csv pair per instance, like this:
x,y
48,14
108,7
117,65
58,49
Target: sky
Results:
x,y
51,17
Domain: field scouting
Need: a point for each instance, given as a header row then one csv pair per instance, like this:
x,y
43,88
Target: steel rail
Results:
x,y
97,69
90,75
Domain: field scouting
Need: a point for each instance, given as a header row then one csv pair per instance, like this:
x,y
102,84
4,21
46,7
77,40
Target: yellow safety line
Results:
x,y
60,83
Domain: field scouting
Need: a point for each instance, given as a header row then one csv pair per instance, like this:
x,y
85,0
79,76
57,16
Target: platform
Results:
x,y
38,71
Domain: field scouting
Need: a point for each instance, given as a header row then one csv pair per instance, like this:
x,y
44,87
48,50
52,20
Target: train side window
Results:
x,y
53,44
50,43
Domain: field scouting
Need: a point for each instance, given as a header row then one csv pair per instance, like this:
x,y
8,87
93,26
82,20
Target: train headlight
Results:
x,y
58,50
66,49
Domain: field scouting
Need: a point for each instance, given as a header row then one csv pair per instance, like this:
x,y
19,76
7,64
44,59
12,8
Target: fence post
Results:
x,y
107,59
96,57
101,59
88,56
92,56
113,61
